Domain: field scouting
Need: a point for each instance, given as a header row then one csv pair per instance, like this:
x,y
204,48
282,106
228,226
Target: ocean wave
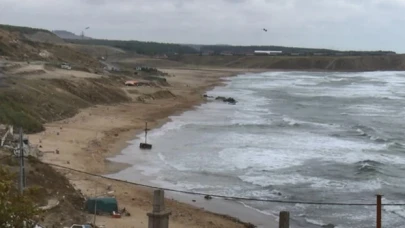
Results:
x,y
395,145
215,174
368,167
318,223
228,127
369,132
397,210
290,122
378,139
365,130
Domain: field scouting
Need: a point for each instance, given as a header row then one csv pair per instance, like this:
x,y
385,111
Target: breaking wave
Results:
x,y
367,167
369,132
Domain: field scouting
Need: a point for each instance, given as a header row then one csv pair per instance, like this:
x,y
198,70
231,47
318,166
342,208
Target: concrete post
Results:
x,y
159,217
284,219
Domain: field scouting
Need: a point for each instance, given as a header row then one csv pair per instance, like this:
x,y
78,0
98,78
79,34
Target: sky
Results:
x,y
333,24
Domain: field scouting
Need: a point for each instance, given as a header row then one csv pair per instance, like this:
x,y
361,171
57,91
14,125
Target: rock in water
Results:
x,y
220,98
230,100
207,197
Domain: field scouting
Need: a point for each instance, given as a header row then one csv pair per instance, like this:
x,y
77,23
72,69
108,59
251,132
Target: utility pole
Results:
x,y
146,132
22,165
95,207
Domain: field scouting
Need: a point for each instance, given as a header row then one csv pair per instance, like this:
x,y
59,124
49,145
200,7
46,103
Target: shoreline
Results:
x,y
86,140
133,134
230,209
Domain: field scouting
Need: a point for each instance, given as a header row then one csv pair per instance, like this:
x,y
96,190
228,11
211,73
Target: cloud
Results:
x,y
340,24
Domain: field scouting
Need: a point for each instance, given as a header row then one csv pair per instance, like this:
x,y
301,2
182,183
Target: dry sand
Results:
x,y
85,140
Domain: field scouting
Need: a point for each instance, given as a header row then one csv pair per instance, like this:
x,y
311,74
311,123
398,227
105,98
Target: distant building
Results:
x,y
226,53
259,52
207,52
162,56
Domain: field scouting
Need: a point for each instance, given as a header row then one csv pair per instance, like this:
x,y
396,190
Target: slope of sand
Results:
x,y
85,140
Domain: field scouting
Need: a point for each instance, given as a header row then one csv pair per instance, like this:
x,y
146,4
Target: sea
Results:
x,y
323,137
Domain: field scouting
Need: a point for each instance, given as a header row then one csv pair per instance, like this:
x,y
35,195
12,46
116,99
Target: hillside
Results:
x,y
55,191
344,63
23,30
243,50
140,47
155,48
18,45
69,35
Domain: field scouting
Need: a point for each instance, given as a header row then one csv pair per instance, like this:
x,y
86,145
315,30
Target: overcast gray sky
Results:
x,y
336,24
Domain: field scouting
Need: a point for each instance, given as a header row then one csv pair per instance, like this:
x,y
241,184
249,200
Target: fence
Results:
x,y
284,217
159,216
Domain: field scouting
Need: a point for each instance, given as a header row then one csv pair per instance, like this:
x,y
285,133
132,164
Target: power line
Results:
x,y
223,196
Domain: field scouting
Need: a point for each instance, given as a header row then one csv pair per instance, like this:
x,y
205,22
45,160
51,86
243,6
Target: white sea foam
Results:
x,y
193,146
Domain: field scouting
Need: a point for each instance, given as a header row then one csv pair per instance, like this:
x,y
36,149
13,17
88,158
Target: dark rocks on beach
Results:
x,y
207,197
206,96
229,100
220,98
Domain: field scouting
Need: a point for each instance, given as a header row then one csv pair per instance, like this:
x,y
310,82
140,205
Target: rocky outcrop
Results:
x,y
229,100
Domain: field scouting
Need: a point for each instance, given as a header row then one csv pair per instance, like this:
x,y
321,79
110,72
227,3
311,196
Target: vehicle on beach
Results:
x,y
66,66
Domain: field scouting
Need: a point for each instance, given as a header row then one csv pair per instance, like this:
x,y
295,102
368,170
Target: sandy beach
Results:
x,y
87,139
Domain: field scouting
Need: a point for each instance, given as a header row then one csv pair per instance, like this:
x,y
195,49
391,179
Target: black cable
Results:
x,y
227,197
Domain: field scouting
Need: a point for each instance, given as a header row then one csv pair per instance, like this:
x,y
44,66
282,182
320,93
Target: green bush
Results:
x,y
13,113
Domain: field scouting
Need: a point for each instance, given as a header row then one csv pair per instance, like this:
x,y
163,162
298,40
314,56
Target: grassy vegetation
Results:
x,y
17,115
31,103
24,30
153,48
145,48
343,63
217,49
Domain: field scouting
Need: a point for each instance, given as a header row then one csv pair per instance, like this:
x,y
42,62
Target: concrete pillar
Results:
x,y
159,217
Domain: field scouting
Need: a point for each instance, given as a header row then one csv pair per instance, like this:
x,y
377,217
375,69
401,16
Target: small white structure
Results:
x,y
259,52
65,66
44,54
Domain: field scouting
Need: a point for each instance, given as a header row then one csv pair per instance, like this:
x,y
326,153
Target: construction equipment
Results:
x,y
145,145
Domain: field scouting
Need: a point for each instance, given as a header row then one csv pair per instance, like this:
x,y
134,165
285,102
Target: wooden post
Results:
x,y
284,219
379,217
